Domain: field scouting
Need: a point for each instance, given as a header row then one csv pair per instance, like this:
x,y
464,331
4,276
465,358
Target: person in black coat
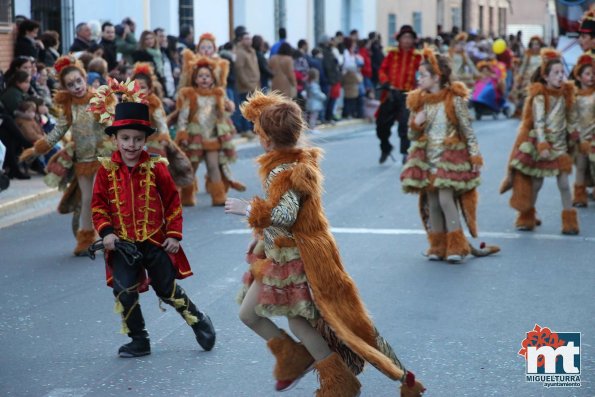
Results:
x,y
263,65
15,142
376,55
26,43
108,43
51,42
332,71
83,38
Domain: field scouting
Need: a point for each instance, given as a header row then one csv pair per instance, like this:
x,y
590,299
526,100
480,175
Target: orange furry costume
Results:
x,y
343,316
547,120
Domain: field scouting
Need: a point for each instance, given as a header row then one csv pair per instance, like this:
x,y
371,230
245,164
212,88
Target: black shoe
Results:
x,y
38,167
18,174
384,156
4,181
137,348
204,331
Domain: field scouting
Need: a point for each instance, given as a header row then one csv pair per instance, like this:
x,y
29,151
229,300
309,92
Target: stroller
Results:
x,y
488,94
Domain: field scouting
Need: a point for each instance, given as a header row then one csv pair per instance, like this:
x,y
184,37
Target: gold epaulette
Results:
x,y
107,163
155,158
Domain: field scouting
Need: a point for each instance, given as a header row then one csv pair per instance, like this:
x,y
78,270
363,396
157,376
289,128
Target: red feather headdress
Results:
x,y
68,60
548,54
583,60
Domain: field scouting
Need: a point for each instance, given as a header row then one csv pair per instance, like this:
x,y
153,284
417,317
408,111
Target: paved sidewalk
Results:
x,y
27,199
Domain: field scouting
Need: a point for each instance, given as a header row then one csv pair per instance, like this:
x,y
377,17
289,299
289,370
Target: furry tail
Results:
x,y
484,250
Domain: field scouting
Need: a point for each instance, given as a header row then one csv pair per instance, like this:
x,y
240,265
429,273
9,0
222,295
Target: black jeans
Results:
x,y
161,272
15,142
393,109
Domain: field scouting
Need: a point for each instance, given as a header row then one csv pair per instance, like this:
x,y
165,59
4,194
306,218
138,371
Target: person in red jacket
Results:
x,y
397,77
135,200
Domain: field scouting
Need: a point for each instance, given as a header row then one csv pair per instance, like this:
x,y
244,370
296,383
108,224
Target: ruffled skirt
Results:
x,y
526,159
454,170
285,290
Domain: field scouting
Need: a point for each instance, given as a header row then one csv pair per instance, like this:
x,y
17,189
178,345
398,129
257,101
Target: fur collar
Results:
x,y
417,98
64,98
65,101
567,90
154,102
191,94
274,158
585,91
530,53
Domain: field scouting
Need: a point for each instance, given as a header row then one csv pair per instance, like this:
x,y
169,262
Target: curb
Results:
x,y
10,207
22,204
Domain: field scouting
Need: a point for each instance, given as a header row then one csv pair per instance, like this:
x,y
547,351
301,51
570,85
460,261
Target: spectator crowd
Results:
x,y
333,79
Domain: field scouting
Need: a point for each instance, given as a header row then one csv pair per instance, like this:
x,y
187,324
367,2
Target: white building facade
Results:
x,y
303,19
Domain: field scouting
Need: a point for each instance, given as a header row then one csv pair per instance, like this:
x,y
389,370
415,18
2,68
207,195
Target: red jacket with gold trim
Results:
x,y
399,67
138,204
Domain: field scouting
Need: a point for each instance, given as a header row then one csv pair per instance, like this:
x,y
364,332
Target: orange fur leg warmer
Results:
x,y
526,220
437,250
456,245
522,192
187,195
292,360
579,198
336,380
570,222
84,239
218,193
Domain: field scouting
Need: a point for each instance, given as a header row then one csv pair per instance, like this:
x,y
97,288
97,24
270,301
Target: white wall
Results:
x,y
110,10
332,16
259,18
213,17
164,14
300,21
369,19
22,7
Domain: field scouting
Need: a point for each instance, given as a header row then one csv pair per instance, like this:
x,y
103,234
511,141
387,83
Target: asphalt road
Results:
x,y
458,327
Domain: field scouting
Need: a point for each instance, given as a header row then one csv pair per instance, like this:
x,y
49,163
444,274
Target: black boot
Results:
x,y
201,323
133,324
140,346
204,331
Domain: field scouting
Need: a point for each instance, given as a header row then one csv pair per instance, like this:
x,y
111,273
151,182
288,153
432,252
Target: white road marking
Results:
x,y
409,232
68,392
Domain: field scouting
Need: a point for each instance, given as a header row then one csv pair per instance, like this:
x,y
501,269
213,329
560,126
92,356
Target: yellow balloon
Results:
x,y
499,46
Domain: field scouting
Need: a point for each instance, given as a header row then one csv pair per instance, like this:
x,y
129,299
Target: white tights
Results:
x,y
563,187
266,329
444,214
86,185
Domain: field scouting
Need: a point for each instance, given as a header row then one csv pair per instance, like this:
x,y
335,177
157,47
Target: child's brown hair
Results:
x,y
27,105
282,123
539,74
98,65
444,69
313,75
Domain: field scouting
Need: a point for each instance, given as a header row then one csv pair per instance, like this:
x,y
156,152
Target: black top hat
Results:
x,y
133,116
587,26
406,29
